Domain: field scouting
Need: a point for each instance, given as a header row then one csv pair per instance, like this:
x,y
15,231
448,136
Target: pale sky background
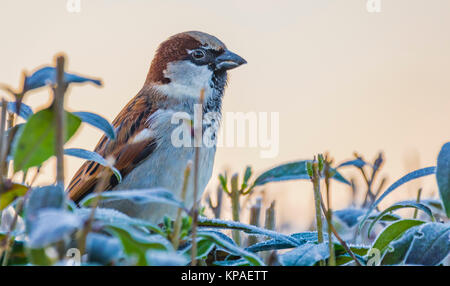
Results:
x,y
341,78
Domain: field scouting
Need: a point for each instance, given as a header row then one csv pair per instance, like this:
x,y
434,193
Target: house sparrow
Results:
x,y
185,66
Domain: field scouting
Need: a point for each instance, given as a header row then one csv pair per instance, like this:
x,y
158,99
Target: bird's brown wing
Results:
x,y
126,152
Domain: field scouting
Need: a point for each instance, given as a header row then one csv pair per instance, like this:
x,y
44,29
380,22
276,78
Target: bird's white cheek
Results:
x,y
186,79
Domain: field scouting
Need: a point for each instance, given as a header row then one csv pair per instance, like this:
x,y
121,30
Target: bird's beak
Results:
x,y
229,60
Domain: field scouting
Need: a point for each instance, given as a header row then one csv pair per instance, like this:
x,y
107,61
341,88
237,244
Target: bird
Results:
x,y
188,69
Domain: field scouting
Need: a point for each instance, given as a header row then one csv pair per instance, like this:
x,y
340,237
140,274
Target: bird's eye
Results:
x,y
198,54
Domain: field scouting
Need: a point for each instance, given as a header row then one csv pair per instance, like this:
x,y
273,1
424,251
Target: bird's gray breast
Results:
x,y
165,168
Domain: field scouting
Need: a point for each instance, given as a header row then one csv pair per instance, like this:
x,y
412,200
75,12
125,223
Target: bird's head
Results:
x,y
190,61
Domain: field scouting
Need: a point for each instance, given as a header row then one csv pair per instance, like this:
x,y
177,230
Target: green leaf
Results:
x,y
401,205
307,254
37,256
291,171
204,247
393,232
36,140
9,195
223,182
98,122
247,175
18,255
408,177
92,156
443,176
360,250
232,248
136,243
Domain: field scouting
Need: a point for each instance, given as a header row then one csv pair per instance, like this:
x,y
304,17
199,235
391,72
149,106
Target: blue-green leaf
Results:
x,y
46,197
443,176
291,171
103,249
25,110
217,223
431,245
47,75
253,259
139,197
165,258
408,177
93,156
98,122
115,218
52,225
305,255
276,244
356,162
426,244
400,205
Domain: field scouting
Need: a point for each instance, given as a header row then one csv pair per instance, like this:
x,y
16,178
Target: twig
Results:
x,y
218,207
2,144
235,206
419,194
329,214
10,124
314,170
341,241
60,125
99,188
198,126
317,198
19,208
177,225
255,212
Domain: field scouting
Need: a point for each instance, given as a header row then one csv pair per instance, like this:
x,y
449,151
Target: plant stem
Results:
x,y
255,212
329,215
235,206
177,225
10,124
218,207
99,187
198,126
19,208
419,194
2,144
60,126
317,196
341,241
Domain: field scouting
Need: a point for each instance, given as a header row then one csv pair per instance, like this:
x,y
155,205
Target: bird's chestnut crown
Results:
x,y
197,47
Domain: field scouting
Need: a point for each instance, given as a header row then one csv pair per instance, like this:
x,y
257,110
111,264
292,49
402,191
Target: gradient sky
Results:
x,y
341,78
